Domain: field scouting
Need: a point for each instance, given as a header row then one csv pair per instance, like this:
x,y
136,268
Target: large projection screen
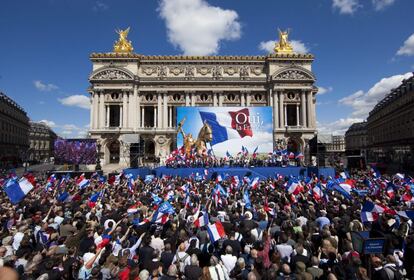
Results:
x,y
75,151
233,128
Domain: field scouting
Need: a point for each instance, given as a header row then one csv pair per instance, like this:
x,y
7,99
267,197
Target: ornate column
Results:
x,y
124,110
107,115
155,116
313,111
187,98
303,108
242,98
170,116
215,102
193,98
165,110
143,116
285,114
275,110
159,122
121,116
297,114
281,110
136,111
92,110
248,98
309,108
102,109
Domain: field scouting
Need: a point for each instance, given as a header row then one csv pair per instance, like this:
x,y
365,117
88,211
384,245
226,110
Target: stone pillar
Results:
x,y
91,112
309,108
275,110
136,111
124,110
187,98
281,110
165,110
215,102
297,114
242,99
155,116
102,123
121,116
143,116
107,115
285,114
193,98
303,108
313,111
170,118
159,111
248,99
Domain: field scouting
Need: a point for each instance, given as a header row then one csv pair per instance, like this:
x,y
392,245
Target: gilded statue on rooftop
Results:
x,y
283,46
122,45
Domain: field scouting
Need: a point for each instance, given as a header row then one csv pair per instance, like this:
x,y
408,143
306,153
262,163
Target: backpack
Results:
x,y
181,261
393,273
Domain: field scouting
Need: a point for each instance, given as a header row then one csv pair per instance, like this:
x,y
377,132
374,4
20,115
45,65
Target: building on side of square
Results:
x,y
41,140
356,143
14,132
137,95
390,129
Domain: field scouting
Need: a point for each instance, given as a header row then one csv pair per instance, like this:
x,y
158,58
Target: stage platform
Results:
x,y
261,172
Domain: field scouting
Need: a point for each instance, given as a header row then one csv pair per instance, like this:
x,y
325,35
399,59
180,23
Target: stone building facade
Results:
x,y
356,143
390,128
134,94
14,132
41,140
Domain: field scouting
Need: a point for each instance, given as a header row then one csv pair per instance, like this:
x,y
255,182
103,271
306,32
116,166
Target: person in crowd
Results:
x,y
173,227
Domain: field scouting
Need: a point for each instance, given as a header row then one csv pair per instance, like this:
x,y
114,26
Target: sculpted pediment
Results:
x,y
293,74
111,74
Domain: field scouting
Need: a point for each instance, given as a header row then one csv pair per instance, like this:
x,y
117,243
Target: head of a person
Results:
x,y
172,270
143,275
315,261
229,250
194,259
214,261
286,269
376,262
241,263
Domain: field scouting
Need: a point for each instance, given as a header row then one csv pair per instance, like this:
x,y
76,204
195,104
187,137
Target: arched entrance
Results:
x,y
113,149
149,155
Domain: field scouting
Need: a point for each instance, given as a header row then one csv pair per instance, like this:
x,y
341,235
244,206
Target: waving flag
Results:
x,y
131,182
50,182
246,199
317,192
62,197
255,183
17,190
118,178
294,187
166,208
255,152
227,125
159,217
408,214
93,199
228,154
390,192
82,182
133,209
202,219
216,231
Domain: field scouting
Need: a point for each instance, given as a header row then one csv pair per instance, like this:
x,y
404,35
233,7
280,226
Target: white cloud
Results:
x,y
323,90
363,102
408,47
382,4
298,46
338,127
196,27
77,100
100,6
48,123
66,132
39,85
346,6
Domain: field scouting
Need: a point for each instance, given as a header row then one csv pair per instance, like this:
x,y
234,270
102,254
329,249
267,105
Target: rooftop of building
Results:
x,y
359,126
11,102
40,126
394,94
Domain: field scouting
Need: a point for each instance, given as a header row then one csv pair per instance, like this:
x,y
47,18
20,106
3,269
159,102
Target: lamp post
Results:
x,y
98,166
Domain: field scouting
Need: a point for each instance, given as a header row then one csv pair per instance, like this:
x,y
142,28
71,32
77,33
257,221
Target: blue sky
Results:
x,y
362,48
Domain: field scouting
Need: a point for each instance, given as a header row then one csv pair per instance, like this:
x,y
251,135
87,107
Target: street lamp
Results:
x,y
98,158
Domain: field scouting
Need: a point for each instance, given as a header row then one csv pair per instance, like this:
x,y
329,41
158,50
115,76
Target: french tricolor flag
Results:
x,y
228,125
202,220
159,218
216,231
317,192
17,190
82,182
255,183
133,209
294,187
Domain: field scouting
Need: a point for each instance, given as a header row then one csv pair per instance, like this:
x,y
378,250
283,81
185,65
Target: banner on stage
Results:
x,y
235,130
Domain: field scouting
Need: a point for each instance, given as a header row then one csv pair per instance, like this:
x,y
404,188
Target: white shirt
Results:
x,y
157,244
229,261
285,251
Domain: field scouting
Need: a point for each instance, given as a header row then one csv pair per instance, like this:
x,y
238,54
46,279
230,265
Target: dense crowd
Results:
x,y
277,158
217,228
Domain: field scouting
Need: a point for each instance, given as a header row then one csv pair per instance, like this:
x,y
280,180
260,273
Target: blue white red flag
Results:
x,y
215,231
228,125
82,182
17,190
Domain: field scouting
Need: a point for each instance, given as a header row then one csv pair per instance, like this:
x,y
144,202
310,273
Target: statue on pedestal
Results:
x,y
123,45
283,46
205,135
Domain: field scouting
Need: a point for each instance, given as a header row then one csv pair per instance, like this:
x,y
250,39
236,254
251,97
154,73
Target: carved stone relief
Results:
x,y
111,74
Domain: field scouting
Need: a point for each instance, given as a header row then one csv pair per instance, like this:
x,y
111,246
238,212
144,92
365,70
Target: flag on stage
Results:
x,y
216,231
17,190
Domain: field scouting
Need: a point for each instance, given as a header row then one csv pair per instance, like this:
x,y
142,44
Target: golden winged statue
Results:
x,y
122,45
283,46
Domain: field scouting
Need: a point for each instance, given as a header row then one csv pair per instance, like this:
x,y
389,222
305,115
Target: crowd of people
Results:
x,y
216,228
278,158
